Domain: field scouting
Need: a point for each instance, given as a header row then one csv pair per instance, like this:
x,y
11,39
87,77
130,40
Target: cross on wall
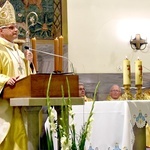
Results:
x,y
137,42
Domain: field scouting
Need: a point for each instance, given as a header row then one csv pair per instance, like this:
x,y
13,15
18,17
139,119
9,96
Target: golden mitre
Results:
x,y
7,14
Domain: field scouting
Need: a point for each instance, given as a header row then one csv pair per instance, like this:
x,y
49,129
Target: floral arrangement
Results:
x,y
66,132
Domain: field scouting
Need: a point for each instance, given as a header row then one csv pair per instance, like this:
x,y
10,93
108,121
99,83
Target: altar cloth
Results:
x,y
112,128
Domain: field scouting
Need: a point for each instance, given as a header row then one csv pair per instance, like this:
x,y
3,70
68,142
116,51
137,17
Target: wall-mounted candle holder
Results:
x,y
138,43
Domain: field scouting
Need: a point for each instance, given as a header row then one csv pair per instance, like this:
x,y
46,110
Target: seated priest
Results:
x,y
82,93
14,65
114,93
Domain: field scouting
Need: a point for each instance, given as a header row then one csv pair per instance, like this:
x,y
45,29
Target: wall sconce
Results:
x,y
138,43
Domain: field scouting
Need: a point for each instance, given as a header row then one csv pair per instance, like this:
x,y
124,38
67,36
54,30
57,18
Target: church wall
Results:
x,y
99,32
98,38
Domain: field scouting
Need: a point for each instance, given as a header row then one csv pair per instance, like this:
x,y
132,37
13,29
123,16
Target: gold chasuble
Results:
x,y
87,99
12,64
12,131
109,98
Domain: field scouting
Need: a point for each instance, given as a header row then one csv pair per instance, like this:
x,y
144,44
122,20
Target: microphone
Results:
x,y
71,64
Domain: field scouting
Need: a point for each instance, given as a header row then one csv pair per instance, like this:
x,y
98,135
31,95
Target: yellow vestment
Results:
x,y
12,131
86,99
109,98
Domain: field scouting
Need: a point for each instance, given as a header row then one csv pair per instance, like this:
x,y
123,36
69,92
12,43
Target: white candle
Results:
x,y
126,72
138,72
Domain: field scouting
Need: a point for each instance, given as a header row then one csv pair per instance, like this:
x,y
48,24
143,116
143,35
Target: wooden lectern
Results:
x,y
35,85
30,94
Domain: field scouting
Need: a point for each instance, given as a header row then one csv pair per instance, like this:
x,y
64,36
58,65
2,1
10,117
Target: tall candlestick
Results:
x,y
56,52
138,72
33,41
126,72
61,53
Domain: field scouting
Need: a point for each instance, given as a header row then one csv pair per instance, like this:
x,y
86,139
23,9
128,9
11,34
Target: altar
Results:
x,y
114,122
112,128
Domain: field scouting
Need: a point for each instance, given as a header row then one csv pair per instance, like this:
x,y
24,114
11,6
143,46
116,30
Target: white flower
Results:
x,y
71,122
71,113
65,143
89,128
63,140
60,127
91,119
53,127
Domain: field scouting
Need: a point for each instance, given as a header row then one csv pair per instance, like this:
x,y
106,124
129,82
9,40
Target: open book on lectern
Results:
x,y
35,85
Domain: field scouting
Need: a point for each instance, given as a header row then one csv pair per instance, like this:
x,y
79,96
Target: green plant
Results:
x,y
66,129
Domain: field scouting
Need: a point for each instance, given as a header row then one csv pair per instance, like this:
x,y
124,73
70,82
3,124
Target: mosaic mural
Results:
x,y
38,18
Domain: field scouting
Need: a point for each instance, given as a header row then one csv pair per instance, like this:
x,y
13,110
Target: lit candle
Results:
x,y
56,52
61,53
126,72
33,41
138,72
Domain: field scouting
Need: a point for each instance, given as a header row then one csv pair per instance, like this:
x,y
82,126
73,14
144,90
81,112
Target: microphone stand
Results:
x,y
55,72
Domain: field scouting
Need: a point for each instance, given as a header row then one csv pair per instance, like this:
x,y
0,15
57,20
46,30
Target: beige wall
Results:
x,y
99,32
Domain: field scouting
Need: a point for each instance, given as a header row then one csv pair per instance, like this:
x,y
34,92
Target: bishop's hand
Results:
x,y
28,55
12,81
